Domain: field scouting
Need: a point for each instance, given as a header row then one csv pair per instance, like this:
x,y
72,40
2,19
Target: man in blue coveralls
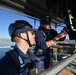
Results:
x,y
46,37
20,60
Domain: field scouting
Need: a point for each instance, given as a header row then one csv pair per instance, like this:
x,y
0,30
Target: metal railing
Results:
x,y
54,70
5,46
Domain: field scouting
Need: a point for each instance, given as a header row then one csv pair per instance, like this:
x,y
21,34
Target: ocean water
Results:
x,y
7,44
4,48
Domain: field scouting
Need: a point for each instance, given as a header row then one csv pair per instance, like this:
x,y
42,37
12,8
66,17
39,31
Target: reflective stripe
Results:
x,y
20,60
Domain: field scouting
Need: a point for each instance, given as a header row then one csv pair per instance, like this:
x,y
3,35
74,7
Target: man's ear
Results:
x,y
23,35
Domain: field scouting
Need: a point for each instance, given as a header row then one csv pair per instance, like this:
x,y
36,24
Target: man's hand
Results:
x,y
60,35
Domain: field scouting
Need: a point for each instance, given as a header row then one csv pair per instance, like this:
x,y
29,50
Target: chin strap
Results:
x,y
27,40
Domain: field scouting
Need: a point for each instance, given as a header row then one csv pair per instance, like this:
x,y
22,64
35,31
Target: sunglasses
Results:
x,y
32,32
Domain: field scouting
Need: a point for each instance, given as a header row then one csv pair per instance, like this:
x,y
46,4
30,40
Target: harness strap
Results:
x,y
43,33
14,56
17,59
37,48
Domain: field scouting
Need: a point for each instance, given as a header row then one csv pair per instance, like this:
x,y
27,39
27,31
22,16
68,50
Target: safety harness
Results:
x,y
20,62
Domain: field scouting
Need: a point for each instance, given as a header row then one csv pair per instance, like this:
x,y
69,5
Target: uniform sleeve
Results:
x,y
40,40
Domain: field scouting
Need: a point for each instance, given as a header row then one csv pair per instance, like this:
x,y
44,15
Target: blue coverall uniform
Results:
x,y
41,37
9,67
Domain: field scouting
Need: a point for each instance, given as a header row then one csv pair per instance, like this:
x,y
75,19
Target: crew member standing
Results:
x,y
20,60
46,37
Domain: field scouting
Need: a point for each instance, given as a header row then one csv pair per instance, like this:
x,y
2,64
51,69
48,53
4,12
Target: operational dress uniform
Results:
x,y
43,35
43,52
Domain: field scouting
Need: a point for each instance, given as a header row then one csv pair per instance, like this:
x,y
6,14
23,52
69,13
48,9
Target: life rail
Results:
x,y
11,47
54,70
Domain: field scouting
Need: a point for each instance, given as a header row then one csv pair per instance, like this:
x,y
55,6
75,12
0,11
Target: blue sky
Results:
x,y
7,17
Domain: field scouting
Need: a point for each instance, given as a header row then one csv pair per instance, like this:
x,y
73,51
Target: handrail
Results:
x,y
11,47
58,67
5,46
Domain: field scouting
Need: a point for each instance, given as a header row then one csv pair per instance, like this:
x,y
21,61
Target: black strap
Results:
x,y
43,33
14,56
17,59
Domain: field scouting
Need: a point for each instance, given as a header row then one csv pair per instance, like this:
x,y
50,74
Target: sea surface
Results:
x,y
4,47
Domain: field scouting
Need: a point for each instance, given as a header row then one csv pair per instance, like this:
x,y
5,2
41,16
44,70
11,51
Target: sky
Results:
x,y
7,17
